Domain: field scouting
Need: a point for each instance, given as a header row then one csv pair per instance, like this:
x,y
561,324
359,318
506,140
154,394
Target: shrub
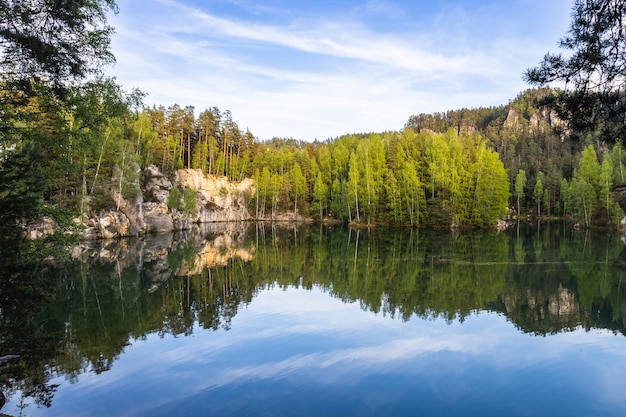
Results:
x,y
173,200
189,201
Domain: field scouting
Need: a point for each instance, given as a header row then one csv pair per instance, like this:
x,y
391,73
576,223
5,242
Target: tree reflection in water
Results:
x,y
68,318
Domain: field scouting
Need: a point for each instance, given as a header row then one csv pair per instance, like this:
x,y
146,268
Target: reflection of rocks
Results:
x,y
156,273
536,310
158,257
215,253
157,247
563,305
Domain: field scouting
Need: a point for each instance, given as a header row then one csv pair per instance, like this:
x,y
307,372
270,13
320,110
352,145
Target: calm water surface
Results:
x,y
242,320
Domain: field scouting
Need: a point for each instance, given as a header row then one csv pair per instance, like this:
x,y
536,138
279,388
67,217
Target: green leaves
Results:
x,y
593,71
21,185
520,185
59,42
589,195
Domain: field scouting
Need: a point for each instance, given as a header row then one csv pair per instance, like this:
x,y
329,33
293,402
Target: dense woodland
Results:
x,y
551,171
69,136
463,167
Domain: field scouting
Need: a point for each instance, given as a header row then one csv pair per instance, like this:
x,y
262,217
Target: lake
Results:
x,y
262,320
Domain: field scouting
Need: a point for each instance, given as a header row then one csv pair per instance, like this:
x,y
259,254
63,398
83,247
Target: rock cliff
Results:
x,y
164,206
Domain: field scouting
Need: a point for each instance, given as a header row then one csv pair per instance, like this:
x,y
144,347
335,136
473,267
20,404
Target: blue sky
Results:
x,y
319,69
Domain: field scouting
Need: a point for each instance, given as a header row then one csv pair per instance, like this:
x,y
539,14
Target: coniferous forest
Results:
x,y
69,136
463,167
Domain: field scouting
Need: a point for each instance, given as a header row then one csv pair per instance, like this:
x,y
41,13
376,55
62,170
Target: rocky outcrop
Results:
x,y
512,119
110,225
619,195
216,200
157,218
156,186
41,228
538,121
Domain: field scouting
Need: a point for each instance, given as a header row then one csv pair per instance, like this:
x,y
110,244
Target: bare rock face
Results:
x,y
619,194
218,200
512,119
112,224
133,210
182,222
157,218
156,186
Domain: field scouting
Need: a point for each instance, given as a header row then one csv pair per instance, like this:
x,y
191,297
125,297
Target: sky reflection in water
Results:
x,y
302,352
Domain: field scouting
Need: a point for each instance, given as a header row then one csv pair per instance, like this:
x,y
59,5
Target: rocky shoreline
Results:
x,y
154,210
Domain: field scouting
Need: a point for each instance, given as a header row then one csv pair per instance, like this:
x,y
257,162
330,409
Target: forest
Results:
x,y
468,167
69,136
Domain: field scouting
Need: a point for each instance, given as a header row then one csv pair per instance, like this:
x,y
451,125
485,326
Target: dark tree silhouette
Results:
x,y
592,72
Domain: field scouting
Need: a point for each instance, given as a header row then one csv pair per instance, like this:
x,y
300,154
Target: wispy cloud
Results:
x,y
386,8
348,40
283,72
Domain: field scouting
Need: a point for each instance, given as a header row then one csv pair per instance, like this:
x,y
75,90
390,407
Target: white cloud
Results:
x,y
385,8
308,77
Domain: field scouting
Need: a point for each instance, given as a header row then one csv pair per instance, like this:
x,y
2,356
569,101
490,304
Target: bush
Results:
x,y
173,200
189,201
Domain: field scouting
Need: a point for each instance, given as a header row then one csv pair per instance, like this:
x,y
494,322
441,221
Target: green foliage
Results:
x,y
56,41
173,199
320,196
384,179
589,194
190,202
184,201
538,192
592,71
298,187
491,188
520,185
21,185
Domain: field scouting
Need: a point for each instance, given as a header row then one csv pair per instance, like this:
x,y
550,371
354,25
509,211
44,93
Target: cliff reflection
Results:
x,y
545,282
111,293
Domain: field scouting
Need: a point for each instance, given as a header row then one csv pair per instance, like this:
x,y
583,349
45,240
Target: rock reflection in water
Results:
x,y
114,292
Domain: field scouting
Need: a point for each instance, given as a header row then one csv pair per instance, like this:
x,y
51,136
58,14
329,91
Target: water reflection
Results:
x,y
545,281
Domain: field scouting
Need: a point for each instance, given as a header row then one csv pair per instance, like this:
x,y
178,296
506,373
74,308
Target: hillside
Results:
x,y
461,168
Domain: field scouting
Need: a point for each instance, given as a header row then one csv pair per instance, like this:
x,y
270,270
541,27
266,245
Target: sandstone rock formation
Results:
x,y
45,226
217,200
